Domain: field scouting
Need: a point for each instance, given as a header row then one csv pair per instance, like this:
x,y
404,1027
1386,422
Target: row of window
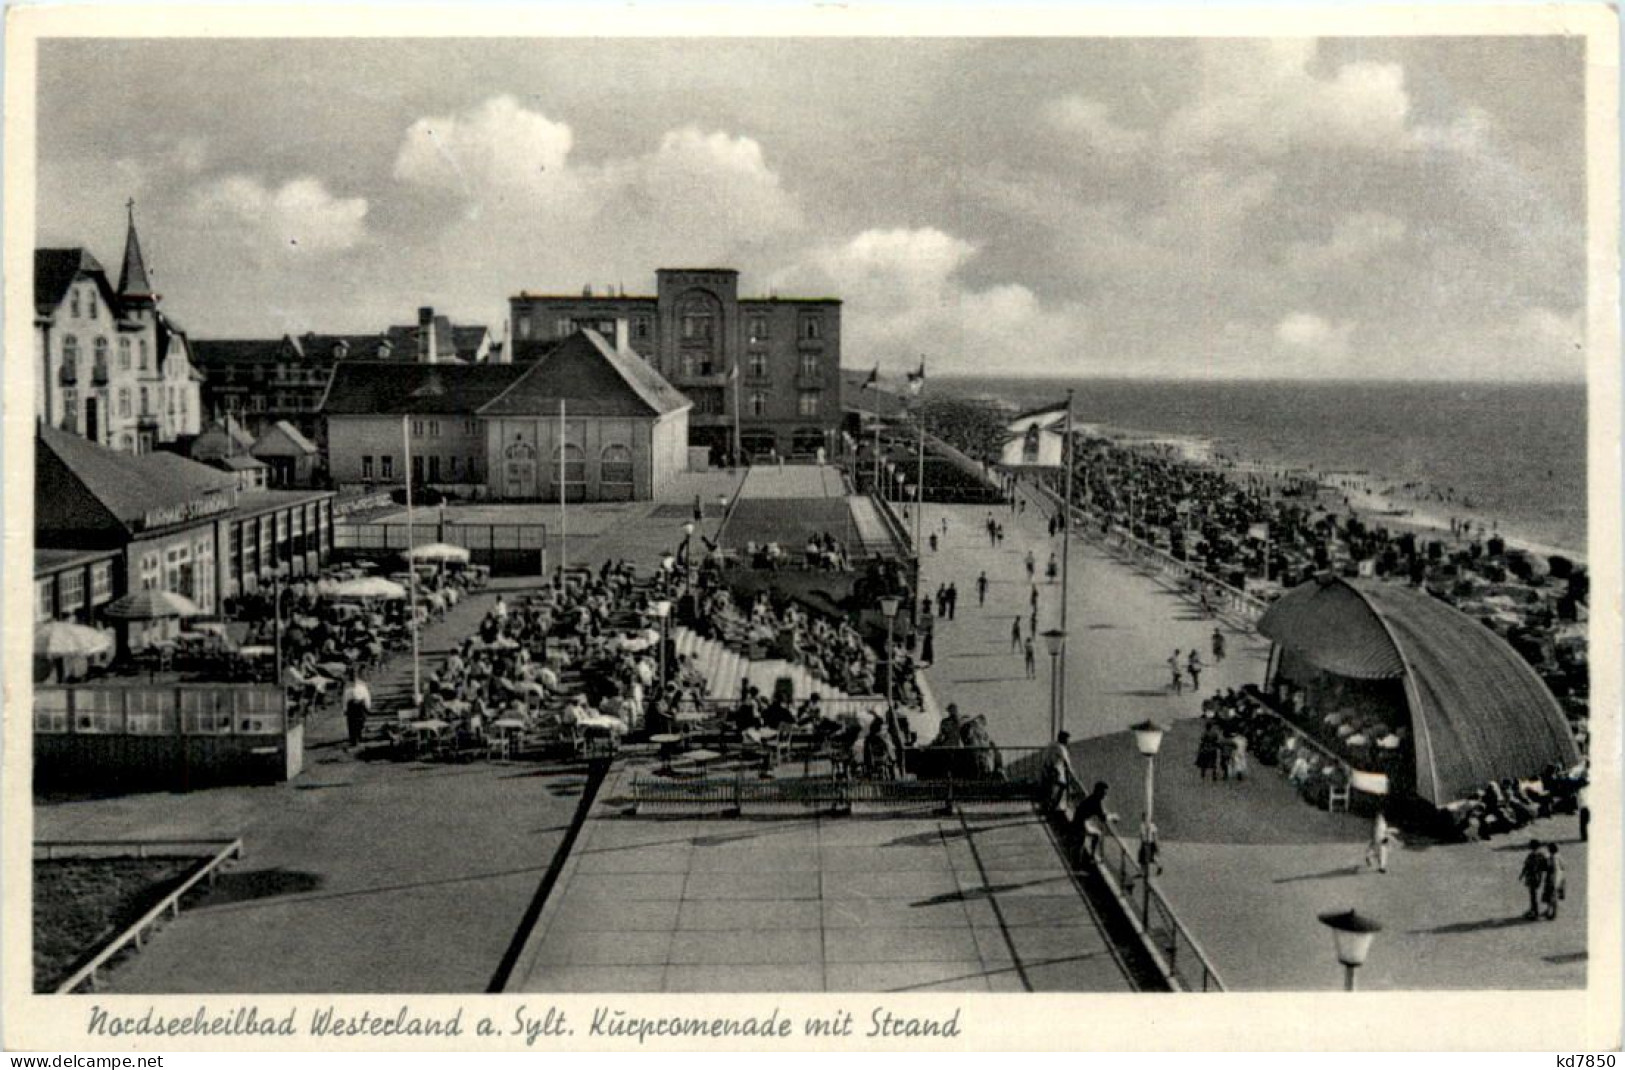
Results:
x,y
614,464
63,595
808,402
90,303
432,468
175,400
694,325
140,711
431,428
70,354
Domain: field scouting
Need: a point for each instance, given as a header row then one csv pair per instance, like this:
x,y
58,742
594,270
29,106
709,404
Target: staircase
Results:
x,y
724,668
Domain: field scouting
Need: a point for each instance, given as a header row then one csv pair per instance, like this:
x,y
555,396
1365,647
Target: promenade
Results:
x,y
1248,866
906,901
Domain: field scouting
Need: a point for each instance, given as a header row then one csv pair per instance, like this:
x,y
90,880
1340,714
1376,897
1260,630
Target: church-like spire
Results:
x,y
133,281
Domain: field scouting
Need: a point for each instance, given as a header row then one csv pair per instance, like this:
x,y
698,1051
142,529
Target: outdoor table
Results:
x,y
257,651
668,743
700,757
334,669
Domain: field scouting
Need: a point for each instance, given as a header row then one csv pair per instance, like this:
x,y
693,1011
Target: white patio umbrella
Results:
x,y
368,587
65,639
438,551
152,604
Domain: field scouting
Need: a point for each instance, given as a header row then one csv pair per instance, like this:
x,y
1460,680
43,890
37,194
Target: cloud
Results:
x,y
298,216
1264,96
1312,334
1355,239
1090,123
495,146
905,296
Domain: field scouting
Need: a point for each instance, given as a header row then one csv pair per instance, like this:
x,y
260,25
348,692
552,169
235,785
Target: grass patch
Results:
x,y
81,903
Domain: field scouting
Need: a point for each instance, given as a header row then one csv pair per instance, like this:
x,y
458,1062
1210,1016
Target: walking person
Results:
x,y
1028,656
1218,646
981,589
1533,877
1031,565
1052,569
1376,851
1055,773
942,599
1207,754
928,650
953,600
933,541
357,703
1553,887
1033,598
998,533
1015,633
1177,683
1193,665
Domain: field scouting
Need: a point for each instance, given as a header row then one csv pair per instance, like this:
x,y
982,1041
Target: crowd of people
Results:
x,y
1267,531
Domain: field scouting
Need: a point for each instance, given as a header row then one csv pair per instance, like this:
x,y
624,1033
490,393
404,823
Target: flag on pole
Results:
x,y
916,379
872,380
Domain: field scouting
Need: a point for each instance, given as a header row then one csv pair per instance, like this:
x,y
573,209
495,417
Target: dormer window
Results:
x,y
73,304
90,304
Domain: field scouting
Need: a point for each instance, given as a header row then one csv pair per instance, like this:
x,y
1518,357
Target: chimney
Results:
x,y
427,352
621,343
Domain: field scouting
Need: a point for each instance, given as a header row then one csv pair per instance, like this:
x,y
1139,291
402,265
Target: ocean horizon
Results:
x,y
1511,453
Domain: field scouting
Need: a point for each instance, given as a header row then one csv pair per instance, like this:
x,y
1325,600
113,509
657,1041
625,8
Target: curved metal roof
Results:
x,y
1478,710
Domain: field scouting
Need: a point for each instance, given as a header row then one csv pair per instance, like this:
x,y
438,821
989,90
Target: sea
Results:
x,y
1515,452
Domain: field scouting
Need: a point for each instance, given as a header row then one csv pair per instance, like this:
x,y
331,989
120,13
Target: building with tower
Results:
x,y
111,366
764,369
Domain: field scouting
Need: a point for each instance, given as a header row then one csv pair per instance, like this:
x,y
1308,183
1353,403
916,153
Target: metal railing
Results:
x,y
136,932
1177,954
733,794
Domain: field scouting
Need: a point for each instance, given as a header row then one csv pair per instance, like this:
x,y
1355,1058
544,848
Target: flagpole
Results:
x,y
736,413
919,487
1066,555
411,565
564,515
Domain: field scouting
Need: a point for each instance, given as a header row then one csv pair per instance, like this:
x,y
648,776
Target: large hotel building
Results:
x,y
769,367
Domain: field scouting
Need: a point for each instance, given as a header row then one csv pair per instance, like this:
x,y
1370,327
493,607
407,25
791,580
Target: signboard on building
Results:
x,y
197,508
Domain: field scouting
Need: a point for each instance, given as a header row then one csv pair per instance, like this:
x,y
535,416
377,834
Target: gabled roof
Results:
x,y
282,439
56,269
592,379
1478,710
393,388
118,485
221,437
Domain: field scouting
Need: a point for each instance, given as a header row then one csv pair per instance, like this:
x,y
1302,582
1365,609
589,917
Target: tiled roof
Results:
x,y
592,379
125,486
48,560
365,388
214,352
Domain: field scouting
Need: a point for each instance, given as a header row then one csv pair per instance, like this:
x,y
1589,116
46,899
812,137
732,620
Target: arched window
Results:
x,y
101,358
812,328
1029,448
124,401
123,354
70,358
575,471
758,403
142,350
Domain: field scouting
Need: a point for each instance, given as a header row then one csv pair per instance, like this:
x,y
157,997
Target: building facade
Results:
x,y
766,368
163,522
263,381
111,366
492,431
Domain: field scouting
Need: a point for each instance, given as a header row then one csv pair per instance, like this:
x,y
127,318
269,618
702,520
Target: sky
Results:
x,y
1242,208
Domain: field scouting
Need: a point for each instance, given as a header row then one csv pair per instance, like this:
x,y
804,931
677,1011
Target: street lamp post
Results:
x,y
722,517
1055,642
885,491
661,610
688,554
1353,933
888,606
1148,740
